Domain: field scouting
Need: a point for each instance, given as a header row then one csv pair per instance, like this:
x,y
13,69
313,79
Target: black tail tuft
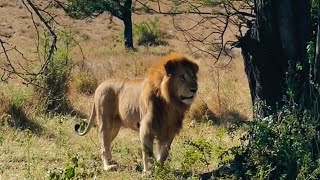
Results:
x,y
77,128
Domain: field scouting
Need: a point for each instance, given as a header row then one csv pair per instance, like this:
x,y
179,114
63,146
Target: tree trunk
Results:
x,y
275,44
127,20
128,38
316,68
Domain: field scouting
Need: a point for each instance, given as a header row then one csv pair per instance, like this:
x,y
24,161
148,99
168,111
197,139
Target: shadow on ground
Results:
x,y
231,119
17,118
217,174
224,172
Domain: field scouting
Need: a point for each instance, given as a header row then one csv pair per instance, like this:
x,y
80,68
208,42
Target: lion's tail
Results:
x,y
91,120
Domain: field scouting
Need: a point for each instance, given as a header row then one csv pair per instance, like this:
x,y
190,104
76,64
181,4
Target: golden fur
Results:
x,y
154,106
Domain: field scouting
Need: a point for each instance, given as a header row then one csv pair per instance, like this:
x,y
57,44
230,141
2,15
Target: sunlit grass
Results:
x,y
34,156
29,154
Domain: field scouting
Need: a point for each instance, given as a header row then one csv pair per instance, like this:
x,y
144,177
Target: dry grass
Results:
x,y
28,155
223,98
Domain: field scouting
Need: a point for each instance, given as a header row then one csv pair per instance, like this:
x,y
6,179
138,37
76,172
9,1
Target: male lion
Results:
x,y
154,106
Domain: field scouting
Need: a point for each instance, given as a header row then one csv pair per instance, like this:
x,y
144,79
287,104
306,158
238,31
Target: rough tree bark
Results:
x,y
316,68
127,20
274,44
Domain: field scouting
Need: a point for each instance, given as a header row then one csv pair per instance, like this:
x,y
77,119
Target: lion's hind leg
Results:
x,y
108,130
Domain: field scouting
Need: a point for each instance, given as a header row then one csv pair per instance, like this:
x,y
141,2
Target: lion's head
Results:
x,y
174,78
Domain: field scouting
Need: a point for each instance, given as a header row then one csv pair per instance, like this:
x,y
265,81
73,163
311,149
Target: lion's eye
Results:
x,y
182,77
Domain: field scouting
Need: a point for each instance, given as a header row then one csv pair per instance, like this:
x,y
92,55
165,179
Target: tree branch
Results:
x,y
16,67
52,34
237,12
207,33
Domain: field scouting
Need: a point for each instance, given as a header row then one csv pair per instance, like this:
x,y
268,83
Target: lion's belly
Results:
x,y
129,112
130,117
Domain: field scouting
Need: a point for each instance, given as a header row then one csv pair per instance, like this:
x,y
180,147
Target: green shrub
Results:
x,y
198,153
54,83
16,99
166,172
163,172
15,110
86,83
279,147
149,33
74,169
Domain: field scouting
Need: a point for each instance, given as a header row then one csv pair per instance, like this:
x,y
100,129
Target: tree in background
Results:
x,y
274,50
272,35
281,58
121,9
280,47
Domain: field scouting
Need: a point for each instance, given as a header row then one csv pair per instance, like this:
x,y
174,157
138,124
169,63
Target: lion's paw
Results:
x,y
146,174
110,167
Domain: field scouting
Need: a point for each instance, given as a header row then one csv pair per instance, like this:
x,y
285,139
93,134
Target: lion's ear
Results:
x,y
195,67
170,67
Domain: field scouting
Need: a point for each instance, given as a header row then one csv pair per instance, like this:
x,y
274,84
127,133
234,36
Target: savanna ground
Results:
x,y
37,146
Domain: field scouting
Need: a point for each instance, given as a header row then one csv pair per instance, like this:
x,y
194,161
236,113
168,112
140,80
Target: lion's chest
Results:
x,y
167,122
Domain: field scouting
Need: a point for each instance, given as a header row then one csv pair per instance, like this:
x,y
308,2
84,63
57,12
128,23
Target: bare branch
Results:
x,y
207,33
52,34
15,68
196,10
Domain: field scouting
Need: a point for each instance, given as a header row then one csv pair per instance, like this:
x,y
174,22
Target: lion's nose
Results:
x,y
193,90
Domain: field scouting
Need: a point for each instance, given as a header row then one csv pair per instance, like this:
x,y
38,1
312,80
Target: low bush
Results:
x,y
14,111
280,146
86,83
74,169
199,111
52,93
163,172
149,33
198,153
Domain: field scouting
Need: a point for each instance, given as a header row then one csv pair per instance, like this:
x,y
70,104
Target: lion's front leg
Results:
x,y
147,147
163,150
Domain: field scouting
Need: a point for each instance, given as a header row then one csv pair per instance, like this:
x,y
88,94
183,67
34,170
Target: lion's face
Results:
x,y
183,80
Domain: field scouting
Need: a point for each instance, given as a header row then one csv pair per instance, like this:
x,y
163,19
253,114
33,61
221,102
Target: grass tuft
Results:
x,y
85,82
